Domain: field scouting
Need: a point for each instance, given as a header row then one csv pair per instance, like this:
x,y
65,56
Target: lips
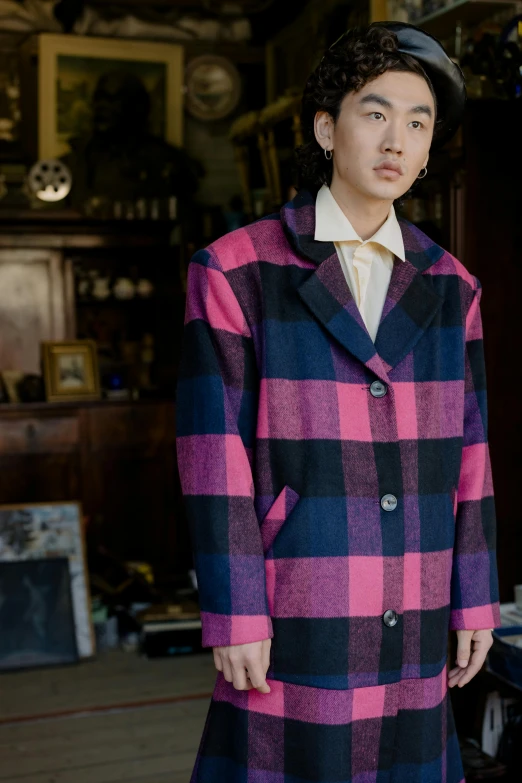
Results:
x,y
389,166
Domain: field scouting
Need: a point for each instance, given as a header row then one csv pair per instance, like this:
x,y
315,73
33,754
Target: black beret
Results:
x,y
445,75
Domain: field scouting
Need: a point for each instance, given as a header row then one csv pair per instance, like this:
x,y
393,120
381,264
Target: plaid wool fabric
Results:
x,y
403,732
329,479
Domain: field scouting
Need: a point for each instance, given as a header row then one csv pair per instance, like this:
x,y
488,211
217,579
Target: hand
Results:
x,y
245,665
469,661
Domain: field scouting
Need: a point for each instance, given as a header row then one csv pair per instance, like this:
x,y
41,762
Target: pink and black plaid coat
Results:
x,y
338,491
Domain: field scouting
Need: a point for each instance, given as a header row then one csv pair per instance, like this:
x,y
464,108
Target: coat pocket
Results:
x,y
277,515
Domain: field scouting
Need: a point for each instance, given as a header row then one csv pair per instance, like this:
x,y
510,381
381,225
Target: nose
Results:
x,y
392,140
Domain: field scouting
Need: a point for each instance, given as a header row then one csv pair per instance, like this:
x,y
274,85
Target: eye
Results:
x,y
418,123
377,112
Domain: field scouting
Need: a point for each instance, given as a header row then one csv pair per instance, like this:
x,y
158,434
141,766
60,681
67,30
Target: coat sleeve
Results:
x,y
216,414
474,586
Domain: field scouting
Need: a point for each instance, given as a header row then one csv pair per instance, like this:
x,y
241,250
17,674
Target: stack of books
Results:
x,y
170,629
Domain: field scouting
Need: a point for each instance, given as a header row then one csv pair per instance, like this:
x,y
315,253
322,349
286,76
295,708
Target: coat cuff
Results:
x,y
476,618
221,630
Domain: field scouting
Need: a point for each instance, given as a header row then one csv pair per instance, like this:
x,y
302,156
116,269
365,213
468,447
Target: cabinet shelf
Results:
x,y
441,23
112,302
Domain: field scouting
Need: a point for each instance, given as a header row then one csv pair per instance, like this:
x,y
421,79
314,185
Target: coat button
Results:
x,y
390,618
378,389
389,502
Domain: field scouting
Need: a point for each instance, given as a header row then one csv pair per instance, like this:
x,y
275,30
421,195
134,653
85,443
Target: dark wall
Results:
x,y
493,252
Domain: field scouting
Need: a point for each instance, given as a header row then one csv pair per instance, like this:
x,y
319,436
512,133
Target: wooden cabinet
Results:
x,y
39,454
34,435
117,458
130,479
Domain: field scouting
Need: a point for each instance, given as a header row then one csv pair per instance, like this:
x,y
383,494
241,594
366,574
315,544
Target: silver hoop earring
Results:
x,y
328,157
425,172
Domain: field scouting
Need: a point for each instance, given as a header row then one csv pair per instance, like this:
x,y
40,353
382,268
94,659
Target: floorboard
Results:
x,y
112,679
147,744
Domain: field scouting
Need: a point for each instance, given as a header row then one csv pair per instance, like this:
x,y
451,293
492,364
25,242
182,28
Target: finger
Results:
x,y
466,677
239,676
455,679
456,672
483,642
480,651
217,659
453,672
266,654
257,677
237,660
227,669
477,659
463,676
464,647
249,685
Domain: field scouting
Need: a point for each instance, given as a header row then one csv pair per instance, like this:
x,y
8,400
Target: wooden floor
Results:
x,y
119,718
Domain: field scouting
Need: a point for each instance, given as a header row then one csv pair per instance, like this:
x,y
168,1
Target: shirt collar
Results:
x,y
332,225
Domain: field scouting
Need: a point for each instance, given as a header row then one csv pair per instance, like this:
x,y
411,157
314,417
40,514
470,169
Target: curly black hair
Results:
x,y
359,56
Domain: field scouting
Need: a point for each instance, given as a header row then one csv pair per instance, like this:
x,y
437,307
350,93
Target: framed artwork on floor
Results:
x,y
46,531
36,614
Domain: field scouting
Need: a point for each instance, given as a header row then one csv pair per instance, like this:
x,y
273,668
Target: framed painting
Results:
x,y
37,304
42,531
71,68
36,618
71,370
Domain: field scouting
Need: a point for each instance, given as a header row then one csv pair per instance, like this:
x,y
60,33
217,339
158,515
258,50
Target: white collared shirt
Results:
x,y
367,265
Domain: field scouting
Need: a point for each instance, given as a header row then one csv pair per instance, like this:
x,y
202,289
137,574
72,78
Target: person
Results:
x,y
119,159
332,447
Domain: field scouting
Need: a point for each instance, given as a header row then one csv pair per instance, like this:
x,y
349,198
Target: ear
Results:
x,y
425,162
323,125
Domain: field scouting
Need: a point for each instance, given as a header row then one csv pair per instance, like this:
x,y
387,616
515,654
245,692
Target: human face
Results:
x,y
389,121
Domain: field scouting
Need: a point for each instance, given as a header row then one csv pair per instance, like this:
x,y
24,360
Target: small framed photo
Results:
x,y
71,371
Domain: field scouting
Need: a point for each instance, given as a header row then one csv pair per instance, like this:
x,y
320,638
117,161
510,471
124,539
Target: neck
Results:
x,y
365,214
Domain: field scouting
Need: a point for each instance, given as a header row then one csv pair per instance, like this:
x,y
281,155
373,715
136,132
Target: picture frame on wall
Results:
x,y
46,531
71,371
70,68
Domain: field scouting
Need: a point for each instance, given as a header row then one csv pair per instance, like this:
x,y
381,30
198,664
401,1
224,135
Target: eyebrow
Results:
x,y
373,97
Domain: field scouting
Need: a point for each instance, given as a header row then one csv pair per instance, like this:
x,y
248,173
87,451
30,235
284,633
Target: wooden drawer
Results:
x,y
120,426
39,435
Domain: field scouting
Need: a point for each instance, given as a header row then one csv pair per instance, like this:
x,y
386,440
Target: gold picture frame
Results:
x,y
71,371
73,62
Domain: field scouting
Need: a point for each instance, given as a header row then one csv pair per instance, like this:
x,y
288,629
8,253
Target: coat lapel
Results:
x,y
328,296
411,301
